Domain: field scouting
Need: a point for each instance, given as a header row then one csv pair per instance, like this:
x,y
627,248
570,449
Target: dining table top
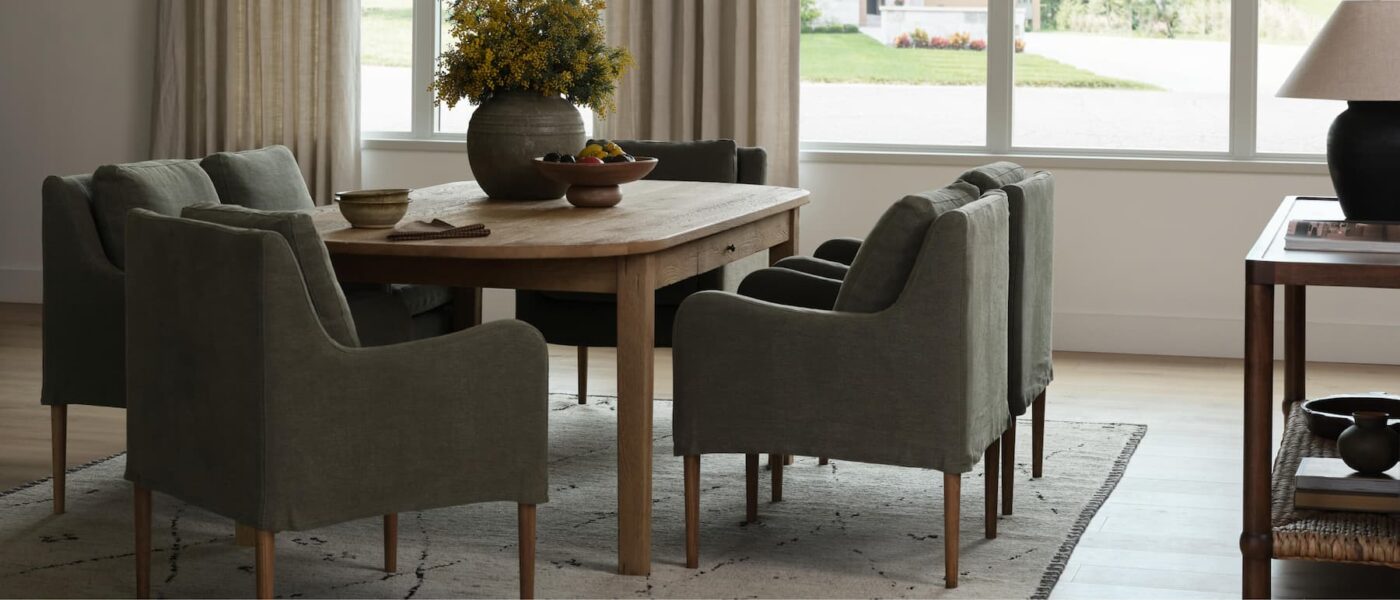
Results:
x,y
653,215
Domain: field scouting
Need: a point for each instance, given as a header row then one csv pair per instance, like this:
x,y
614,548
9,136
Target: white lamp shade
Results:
x,y
1356,56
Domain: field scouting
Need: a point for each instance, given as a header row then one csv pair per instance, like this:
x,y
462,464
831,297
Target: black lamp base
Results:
x,y
1363,155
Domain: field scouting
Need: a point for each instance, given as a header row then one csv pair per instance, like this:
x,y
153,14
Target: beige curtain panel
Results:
x,y
710,69
242,74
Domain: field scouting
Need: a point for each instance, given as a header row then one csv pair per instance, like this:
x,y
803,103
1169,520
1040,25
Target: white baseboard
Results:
x,y
24,286
1214,337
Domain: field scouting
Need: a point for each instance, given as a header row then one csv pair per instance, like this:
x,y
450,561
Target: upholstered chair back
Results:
x,y
1032,204
881,268
716,161
265,179
161,186
994,176
310,254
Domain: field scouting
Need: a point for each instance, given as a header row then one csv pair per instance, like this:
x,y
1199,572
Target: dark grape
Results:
x,y
551,157
566,158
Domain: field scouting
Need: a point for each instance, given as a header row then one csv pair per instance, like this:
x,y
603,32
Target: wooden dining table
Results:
x,y
661,233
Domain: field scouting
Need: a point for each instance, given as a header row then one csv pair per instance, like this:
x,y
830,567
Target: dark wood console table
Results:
x,y
1266,266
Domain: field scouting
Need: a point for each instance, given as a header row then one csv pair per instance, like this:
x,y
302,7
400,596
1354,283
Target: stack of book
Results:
x,y
1343,236
1329,484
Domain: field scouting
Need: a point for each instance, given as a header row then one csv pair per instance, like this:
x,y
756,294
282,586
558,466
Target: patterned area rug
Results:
x,y
843,530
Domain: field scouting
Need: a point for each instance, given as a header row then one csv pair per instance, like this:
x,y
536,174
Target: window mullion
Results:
x,y
1244,77
425,45
1000,53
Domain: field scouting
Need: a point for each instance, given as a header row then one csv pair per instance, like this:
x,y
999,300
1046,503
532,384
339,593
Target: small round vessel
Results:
x,y
373,209
1329,416
596,185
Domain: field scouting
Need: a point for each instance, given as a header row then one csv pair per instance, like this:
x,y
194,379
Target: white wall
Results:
x,y
1148,262
75,92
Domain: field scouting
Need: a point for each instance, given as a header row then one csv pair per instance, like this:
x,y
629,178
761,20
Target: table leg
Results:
x,y
1294,346
788,248
466,308
636,307
1256,541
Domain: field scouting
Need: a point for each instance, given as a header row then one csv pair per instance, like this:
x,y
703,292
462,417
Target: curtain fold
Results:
x,y
710,69
242,74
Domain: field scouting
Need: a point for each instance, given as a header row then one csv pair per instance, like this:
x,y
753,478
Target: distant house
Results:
x,y
886,19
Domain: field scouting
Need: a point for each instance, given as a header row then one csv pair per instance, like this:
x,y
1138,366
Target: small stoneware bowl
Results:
x,y
595,185
373,209
1329,416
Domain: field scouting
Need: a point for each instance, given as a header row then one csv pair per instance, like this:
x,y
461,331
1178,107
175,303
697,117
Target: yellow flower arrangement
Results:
x,y
553,47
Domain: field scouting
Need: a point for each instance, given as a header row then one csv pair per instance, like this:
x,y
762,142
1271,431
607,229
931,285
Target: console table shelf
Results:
x,y
1303,534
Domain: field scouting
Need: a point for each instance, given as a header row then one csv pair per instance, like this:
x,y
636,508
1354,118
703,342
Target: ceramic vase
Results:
x,y
1369,446
512,128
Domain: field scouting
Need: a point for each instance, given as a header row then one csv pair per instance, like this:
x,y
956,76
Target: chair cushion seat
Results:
x,y
422,298
160,186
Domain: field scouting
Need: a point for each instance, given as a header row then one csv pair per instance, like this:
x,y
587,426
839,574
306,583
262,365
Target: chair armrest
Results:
x,y
791,288
841,250
449,420
84,304
815,266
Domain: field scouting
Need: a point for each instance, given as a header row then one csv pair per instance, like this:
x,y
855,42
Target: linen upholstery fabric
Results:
x,y
709,70
243,74
265,179
815,266
791,288
311,256
242,405
838,250
886,258
921,384
1032,246
589,319
994,176
163,186
84,302
390,314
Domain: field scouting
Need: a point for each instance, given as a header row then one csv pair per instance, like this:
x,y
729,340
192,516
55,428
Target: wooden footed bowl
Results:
x,y
596,185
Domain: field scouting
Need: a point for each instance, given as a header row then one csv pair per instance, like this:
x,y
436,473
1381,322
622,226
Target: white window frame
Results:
x,y
1242,154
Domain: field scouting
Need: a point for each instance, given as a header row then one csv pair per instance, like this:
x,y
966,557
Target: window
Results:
x,y
399,44
1111,77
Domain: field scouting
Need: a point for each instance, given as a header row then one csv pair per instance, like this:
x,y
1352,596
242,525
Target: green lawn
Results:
x,y
386,33
858,58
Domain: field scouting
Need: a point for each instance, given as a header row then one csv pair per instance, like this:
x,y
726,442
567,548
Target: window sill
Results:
x,y
879,155
1125,161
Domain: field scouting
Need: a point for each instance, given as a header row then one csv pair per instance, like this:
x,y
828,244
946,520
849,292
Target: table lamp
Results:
x,y
1356,58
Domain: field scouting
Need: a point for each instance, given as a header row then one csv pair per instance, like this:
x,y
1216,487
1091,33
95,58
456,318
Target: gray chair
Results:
x,y
250,397
269,179
909,369
585,319
84,237
811,282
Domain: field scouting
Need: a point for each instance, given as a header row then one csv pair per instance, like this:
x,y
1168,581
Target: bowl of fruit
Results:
x,y
595,173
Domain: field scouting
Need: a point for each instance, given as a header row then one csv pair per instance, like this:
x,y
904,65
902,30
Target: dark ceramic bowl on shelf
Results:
x,y
1330,416
595,185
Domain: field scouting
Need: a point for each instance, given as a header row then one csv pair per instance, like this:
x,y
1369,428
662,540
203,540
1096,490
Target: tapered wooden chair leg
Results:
x,y
245,535
822,460
1038,435
583,374
58,417
778,479
391,543
787,459
952,493
1008,468
526,515
750,488
266,545
991,463
692,511
143,541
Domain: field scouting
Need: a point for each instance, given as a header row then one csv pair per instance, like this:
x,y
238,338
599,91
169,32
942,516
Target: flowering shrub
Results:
x,y
1020,44
920,38
545,46
959,40
938,42
978,45
902,41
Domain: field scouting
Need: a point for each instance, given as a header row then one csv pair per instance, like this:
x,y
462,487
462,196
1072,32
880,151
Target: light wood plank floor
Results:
x,y
1169,530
